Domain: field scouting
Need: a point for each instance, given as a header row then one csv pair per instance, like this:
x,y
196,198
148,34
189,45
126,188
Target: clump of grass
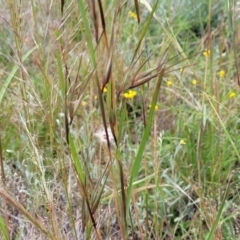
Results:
x,y
121,122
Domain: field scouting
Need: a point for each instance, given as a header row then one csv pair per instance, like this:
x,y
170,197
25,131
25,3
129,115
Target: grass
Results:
x,y
119,120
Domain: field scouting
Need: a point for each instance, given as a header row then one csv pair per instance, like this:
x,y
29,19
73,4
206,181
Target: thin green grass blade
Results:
x,y
220,211
89,38
224,129
137,9
62,83
76,161
169,32
4,229
232,35
60,75
145,29
137,162
13,72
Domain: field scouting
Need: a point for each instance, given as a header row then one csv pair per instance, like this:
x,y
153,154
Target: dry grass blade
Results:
x,y
92,7
162,59
87,213
74,105
111,97
86,207
142,75
141,65
21,209
103,23
108,72
137,75
143,80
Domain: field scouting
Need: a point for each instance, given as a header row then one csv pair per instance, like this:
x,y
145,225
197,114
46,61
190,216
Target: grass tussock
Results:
x,y
119,120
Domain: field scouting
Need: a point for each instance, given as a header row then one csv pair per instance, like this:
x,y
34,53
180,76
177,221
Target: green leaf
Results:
x,y
137,162
4,229
89,38
76,161
13,72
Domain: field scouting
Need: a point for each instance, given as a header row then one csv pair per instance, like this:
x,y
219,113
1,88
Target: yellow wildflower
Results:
x,y
182,142
206,53
222,73
194,82
232,95
104,90
83,103
132,14
155,108
130,94
169,83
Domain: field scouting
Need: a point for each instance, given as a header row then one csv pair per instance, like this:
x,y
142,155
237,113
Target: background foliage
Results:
x,y
119,120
